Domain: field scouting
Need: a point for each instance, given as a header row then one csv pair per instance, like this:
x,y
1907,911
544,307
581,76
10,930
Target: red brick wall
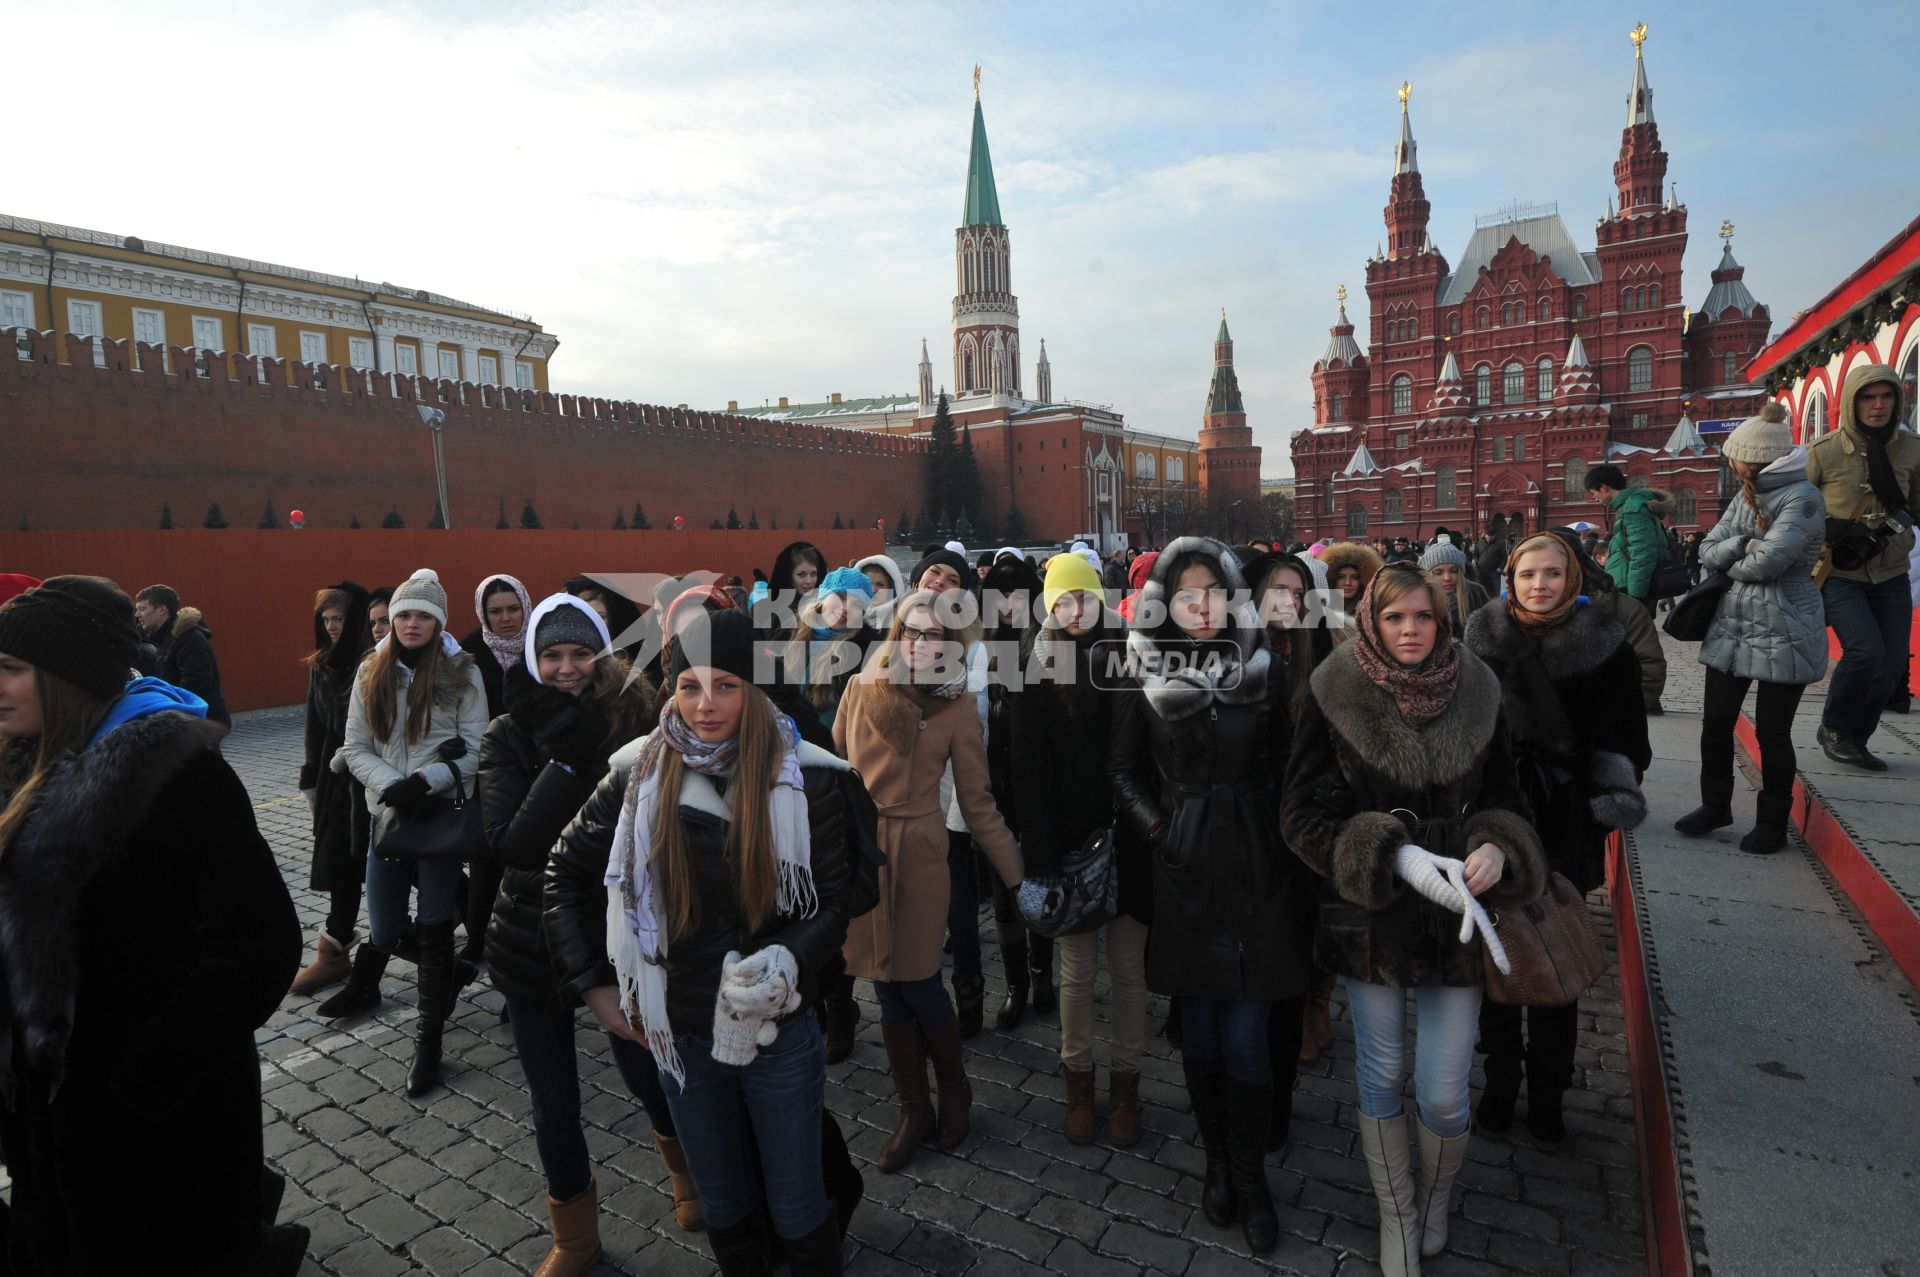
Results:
x,y
105,447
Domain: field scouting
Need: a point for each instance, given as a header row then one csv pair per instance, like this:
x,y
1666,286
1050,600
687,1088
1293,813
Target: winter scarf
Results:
x,y
636,914
1420,692
1536,623
507,651
1880,475
1241,679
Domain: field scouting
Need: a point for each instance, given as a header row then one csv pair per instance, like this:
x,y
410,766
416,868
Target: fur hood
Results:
x,y
1578,644
1188,691
90,806
187,620
1655,501
1351,554
344,657
1363,714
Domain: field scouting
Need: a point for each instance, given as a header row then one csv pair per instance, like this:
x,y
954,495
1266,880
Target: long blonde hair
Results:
x,y
379,687
69,717
750,851
817,657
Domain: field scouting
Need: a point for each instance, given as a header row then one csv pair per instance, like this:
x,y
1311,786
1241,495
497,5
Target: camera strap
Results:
x,y
1824,568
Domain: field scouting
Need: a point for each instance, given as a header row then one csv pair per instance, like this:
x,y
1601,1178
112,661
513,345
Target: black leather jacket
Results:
x,y
576,897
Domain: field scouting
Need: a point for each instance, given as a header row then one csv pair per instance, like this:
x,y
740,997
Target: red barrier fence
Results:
x,y
256,587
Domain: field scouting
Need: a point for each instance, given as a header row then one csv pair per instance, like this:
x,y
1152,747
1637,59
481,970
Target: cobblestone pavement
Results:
x,y
450,1184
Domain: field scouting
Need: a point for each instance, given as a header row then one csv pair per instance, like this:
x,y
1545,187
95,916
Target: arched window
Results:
x,y
1413,330
1176,469
1480,318
1483,384
1546,310
1729,369
1576,476
1453,324
1445,488
1402,394
1579,306
1543,386
1640,368
1356,520
969,267
1513,387
1816,418
1336,407
1626,299
1686,506
1390,506
1653,297
1143,465
966,371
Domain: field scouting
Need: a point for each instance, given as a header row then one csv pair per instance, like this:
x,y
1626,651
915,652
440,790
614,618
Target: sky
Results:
x,y
739,201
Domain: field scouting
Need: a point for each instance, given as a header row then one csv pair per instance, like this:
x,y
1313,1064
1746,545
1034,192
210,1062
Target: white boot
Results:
x,y
1433,1184
1390,1163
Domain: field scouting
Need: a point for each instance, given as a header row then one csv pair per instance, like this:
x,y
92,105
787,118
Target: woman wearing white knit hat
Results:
x,y
1770,628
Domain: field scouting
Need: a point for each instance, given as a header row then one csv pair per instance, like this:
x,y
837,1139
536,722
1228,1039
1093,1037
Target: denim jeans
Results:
x,y
923,1000
390,882
1447,1020
544,1041
963,905
775,1102
1233,1028
1872,622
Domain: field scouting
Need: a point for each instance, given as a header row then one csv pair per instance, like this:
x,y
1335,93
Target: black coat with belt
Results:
x,y
341,826
1197,777
576,894
131,1122
1362,783
1579,731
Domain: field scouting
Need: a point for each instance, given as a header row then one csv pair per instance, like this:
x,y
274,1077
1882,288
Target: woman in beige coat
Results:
x,y
899,724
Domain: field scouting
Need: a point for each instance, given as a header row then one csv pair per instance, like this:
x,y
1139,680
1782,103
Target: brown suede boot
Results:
x,y
330,966
1082,1121
686,1199
1123,1113
576,1235
907,1060
1316,1021
956,1092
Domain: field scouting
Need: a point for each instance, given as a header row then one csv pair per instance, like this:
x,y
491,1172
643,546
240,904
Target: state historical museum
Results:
x,y
1487,390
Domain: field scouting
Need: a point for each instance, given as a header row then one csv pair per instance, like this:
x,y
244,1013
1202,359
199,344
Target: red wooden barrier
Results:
x,y
256,587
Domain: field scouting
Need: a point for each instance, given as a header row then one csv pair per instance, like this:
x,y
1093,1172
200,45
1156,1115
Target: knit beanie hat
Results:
x,y
847,581
1442,552
717,640
950,559
1066,573
562,618
1760,440
79,628
421,592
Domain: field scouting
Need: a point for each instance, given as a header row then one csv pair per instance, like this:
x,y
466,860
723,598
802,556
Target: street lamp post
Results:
x,y
435,419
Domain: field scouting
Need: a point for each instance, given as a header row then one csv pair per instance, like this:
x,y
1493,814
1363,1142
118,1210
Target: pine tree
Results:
x,y
619,522
773,523
500,524
753,520
903,530
942,456
801,526
393,520
837,525
437,521
268,519
166,515
733,518
963,530
353,522
639,521
922,530
214,518
966,481
717,525
1016,529
528,519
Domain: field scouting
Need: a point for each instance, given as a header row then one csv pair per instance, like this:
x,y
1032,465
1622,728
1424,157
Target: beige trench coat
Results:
x,y
901,938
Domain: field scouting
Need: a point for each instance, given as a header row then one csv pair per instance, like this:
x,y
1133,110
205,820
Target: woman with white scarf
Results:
x,y
691,905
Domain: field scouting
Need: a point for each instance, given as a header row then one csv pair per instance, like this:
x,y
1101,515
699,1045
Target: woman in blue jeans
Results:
x,y
692,904
1401,794
409,747
568,708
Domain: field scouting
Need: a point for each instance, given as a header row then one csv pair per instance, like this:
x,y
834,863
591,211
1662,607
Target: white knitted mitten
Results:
x,y
766,985
1442,880
737,1037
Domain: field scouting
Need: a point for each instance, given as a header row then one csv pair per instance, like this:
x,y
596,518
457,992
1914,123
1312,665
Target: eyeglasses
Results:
x,y
911,635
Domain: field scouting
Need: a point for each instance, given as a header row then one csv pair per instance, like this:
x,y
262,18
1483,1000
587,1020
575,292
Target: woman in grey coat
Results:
x,y
1770,628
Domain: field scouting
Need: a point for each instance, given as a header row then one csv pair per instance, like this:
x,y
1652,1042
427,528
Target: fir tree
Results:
x,y
963,530
393,520
733,519
437,521
966,476
753,520
801,526
500,524
354,522
717,525
773,523
942,456
639,521
922,530
269,519
528,518
837,525
619,522
166,516
214,518
1016,529
903,530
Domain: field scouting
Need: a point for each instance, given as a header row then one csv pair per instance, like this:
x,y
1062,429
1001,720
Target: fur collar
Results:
x,y
894,714
1363,715
1581,643
186,621
90,807
1187,692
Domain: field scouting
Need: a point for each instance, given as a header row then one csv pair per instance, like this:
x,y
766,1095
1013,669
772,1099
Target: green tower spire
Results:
x,y
983,201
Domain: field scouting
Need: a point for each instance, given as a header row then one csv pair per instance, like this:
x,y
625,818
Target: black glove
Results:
x,y
410,797
580,744
452,749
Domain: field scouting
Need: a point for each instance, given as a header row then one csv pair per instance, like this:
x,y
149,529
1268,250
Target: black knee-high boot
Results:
x,y
435,992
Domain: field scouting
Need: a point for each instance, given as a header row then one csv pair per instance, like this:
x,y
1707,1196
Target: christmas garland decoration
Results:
x,y
1857,327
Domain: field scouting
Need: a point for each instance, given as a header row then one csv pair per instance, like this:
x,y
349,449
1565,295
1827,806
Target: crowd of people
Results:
x,y
1284,768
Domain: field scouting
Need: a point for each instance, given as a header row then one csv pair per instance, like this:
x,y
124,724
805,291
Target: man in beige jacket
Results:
x,y
1868,471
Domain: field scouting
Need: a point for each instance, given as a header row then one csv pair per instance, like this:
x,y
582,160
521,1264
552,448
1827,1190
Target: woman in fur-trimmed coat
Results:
x,y
1401,783
1567,673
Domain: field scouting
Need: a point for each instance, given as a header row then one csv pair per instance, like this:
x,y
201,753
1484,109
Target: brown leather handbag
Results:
x,y
1553,948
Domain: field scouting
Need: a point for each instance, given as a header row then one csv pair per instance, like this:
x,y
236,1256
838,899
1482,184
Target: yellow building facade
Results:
x,y
92,283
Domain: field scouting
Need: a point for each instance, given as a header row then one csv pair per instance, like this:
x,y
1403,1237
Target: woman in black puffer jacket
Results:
x,y
566,712
692,905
